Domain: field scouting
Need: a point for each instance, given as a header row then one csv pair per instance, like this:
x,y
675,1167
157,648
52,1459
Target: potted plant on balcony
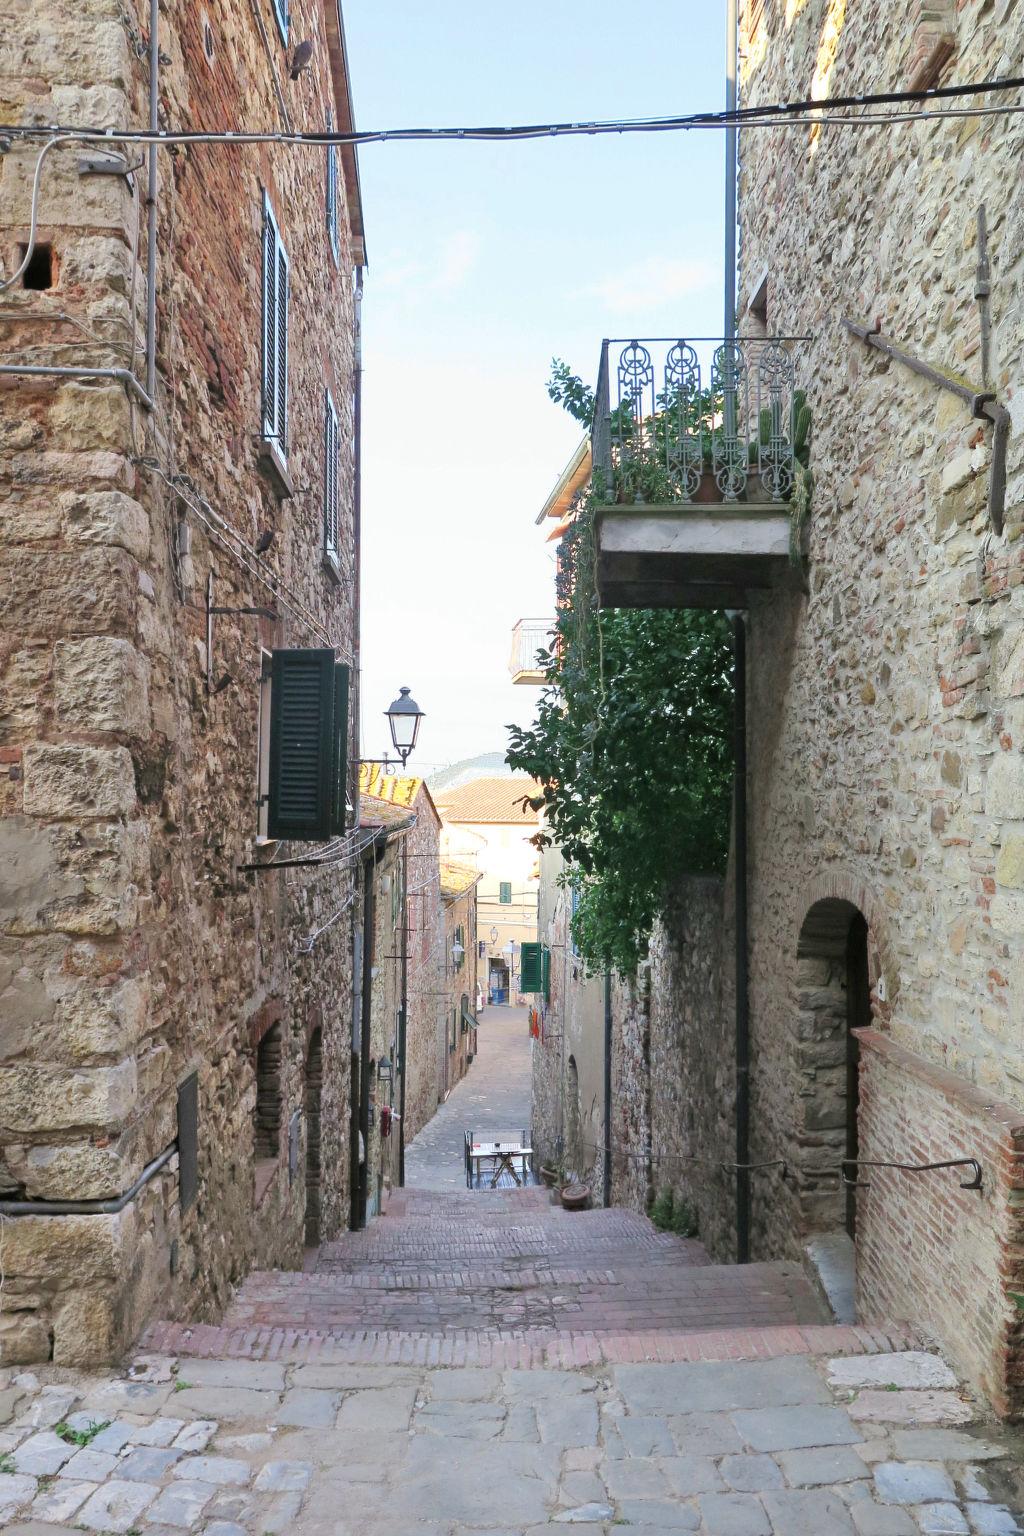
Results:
x,y
575,1196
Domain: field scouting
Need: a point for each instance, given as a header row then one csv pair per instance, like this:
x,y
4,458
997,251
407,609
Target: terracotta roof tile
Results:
x,y
490,800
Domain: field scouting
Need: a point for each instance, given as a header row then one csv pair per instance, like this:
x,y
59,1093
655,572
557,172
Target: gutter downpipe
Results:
x,y
731,69
39,371
607,1088
402,1026
89,1207
369,925
151,199
742,980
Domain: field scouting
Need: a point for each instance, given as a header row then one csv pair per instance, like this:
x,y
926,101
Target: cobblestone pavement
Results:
x,y
495,1094
864,1445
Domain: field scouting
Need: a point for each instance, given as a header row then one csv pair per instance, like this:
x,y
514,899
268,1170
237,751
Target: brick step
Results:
x,y
710,1279
530,1349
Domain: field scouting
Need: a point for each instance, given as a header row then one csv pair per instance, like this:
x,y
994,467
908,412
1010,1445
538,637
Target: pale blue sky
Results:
x,y
486,261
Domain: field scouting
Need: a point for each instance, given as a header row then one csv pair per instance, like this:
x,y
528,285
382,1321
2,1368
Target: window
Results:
x,y
275,334
575,906
530,977
332,452
306,756
281,17
755,15
505,892
332,195
263,749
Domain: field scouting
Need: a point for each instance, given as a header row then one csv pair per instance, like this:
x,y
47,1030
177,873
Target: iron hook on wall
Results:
x,y
974,1182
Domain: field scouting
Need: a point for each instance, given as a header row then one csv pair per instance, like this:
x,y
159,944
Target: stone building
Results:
x,y
884,717
486,822
377,1091
426,1051
461,960
179,543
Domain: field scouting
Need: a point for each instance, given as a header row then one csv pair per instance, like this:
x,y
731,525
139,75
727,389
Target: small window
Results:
x,y
263,749
275,334
39,274
268,1095
281,17
332,454
505,893
332,195
396,898
755,16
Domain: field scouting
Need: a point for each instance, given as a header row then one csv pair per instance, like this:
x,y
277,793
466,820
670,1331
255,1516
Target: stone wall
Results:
x,y
460,981
425,1037
134,950
384,958
886,706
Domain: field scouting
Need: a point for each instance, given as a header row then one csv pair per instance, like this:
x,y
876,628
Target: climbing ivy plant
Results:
x,y
631,742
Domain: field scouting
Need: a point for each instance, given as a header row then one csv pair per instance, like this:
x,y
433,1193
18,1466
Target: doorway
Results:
x,y
833,1000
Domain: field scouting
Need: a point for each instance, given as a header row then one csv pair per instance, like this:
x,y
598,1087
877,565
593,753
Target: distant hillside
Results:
x,y
489,765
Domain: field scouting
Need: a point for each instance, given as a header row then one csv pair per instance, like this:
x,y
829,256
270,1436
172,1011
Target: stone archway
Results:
x,y
832,1000
314,1081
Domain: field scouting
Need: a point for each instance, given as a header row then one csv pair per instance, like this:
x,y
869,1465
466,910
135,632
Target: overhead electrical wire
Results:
x,y
804,111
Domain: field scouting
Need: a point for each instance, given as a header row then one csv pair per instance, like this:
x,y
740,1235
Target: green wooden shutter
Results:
x,y
269,321
505,892
339,764
302,744
530,972
546,973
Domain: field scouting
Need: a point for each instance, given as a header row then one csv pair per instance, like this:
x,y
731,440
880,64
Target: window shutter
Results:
x,y
282,348
275,332
505,892
332,191
332,444
339,761
269,322
545,976
302,744
530,975
281,16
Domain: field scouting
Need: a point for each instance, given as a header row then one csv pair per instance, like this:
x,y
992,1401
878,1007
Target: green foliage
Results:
x,y
7,1466
661,1210
684,1219
632,744
79,1436
568,390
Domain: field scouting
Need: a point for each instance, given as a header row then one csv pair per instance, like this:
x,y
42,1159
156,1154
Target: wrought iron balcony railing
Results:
x,y
699,420
528,637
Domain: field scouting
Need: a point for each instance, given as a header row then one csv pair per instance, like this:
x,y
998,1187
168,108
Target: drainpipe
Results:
x,y
40,371
151,196
402,1023
369,926
731,57
109,1207
607,1088
742,999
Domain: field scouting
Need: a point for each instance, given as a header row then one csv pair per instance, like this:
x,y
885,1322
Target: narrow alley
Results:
x,y
481,1363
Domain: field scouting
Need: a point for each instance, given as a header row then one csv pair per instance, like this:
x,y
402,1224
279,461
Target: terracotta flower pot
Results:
x,y
549,1176
575,1197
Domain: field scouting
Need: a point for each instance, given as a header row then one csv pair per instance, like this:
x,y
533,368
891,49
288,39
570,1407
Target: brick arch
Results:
x,y
839,885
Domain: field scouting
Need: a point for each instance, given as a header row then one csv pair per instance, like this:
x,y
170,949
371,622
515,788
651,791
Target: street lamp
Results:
x,y
458,950
404,717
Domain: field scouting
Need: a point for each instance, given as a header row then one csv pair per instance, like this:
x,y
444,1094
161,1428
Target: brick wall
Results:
x,y
927,1248
133,950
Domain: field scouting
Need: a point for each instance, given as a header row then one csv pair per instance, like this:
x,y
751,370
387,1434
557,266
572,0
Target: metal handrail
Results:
x,y
974,1182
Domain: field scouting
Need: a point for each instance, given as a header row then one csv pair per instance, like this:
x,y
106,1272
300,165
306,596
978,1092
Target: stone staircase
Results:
x,y
506,1277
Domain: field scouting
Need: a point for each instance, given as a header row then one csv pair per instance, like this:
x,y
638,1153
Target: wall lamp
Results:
x,y
403,716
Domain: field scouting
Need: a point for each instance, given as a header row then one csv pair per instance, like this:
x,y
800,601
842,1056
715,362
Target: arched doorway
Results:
x,y
833,999
314,1080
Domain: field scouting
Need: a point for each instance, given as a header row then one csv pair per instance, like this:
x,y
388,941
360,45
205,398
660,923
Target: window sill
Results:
x,y
273,465
332,566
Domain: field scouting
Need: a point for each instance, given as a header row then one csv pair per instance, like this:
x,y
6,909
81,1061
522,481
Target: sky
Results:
x,y
485,261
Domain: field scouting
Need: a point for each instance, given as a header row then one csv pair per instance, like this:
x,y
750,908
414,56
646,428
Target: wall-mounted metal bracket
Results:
x,y
982,404
974,1182
105,165
212,610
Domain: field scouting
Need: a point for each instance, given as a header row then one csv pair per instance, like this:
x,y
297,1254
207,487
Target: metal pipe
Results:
x,y
403,1018
607,1088
982,291
982,403
151,197
89,1207
369,926
120,375
731,148
742,996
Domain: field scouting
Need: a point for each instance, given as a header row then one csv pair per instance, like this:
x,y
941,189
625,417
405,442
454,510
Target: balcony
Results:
x,y
528,637
699,453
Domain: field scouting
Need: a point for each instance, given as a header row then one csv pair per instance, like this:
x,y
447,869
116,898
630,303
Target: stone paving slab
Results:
x,y
706,1447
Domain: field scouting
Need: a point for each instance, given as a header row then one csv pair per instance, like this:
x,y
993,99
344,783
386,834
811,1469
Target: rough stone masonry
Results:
x,y
134,953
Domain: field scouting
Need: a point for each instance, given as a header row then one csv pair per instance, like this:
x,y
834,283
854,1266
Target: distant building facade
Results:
x,y
487,823
459,884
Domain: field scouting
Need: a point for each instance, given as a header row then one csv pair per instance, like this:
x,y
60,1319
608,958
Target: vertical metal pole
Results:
x,y
982,290
369,955
607,1088
742,999
403,1026
151,197
731,98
